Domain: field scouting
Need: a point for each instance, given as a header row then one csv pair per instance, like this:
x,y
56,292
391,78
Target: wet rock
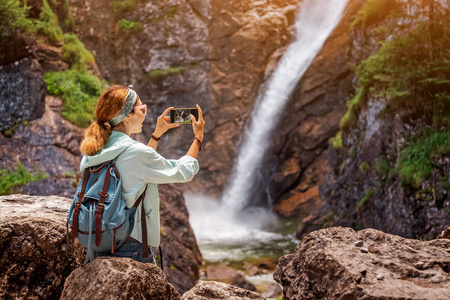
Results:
x,y
118,278
22,92
240,281
326,265
205,290
274,290
219,272
35,257
181,255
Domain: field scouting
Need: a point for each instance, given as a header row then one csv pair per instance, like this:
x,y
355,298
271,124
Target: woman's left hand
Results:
x,y
162,125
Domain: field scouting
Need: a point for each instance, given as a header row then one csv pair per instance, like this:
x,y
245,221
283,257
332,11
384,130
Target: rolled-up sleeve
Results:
x,y
160,170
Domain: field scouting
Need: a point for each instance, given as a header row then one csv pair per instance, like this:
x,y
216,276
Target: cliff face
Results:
x,y
389,164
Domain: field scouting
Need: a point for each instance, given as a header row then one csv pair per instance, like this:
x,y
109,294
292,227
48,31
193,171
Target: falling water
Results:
x,y
315,21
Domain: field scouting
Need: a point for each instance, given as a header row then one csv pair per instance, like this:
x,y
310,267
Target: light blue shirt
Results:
x,y
140,165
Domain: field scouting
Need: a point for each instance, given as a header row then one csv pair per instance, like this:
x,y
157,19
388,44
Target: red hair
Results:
x,y
109,105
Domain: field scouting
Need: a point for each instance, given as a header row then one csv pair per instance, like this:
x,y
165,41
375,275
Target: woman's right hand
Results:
x,y
198,125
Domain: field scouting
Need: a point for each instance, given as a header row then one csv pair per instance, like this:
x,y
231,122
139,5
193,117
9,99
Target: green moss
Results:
x,y
382,166
173,267
13,16
75,53
352,151
337,141
365,199
130,27
10,179
416,160
122,6
364,167
355,105
48,24
158,74
79,91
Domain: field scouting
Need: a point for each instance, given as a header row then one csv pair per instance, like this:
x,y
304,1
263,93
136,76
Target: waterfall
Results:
x,y
315,22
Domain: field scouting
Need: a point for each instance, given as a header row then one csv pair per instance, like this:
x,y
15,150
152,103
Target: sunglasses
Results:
x,y
143,108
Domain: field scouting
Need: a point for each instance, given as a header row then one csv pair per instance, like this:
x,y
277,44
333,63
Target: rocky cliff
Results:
x,y
389,162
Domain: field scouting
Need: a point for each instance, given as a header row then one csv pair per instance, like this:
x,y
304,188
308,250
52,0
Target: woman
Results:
x,y
120,113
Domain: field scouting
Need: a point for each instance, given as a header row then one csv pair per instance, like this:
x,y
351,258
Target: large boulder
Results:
x,y
339,263
35,257
22,92
205,290
181,255
118,278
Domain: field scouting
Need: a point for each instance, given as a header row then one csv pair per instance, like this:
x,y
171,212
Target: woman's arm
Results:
x,y
162,125
198,127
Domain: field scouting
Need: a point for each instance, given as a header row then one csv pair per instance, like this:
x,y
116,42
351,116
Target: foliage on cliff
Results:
x,y
78,87
411,72
10,179
79,90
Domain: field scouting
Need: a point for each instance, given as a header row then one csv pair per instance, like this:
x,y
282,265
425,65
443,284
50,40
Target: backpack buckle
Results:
x,y
101,194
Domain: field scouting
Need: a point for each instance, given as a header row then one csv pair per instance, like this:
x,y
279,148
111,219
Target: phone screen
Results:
x,y
182,115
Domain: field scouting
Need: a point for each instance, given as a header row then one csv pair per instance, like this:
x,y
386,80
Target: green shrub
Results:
x,y
13,16
416,160
75,53
367,196
158,74
337,141
130,27
10,179
79,91
48,24
122,6
401,70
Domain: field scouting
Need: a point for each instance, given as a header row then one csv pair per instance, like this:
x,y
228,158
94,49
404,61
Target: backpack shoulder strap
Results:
x,y
143,223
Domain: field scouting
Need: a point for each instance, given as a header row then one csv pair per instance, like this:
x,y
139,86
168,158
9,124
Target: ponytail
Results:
x,y
94,139
109,105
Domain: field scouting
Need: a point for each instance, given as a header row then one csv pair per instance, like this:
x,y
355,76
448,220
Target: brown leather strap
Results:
x,y
143,223
78,204
93,171
144,231
101,207
76,211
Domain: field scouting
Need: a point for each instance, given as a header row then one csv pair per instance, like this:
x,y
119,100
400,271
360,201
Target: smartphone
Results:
x,y
182,115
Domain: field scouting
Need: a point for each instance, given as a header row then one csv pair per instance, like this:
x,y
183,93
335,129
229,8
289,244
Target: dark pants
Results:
x,y
131,249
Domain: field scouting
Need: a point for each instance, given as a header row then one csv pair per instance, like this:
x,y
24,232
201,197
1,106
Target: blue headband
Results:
x,y
128,106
